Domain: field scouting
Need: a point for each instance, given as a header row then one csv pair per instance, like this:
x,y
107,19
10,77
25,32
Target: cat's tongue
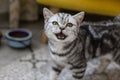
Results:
x,y
61,36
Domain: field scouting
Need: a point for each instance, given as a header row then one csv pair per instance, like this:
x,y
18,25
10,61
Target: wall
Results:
x,y
4,6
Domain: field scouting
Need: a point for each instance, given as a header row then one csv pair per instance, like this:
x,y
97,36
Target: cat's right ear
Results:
x,y
47,14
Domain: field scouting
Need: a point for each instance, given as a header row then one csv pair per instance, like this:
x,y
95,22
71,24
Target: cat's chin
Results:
x,y
61,36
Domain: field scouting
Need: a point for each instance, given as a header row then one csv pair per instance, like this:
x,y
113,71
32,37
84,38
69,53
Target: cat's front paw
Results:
x,y
103,66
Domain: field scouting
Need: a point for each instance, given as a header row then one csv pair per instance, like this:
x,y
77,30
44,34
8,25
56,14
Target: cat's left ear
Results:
x,y
79,17
47,14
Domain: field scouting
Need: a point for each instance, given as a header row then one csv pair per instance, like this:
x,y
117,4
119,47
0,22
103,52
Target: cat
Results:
x,y
72,43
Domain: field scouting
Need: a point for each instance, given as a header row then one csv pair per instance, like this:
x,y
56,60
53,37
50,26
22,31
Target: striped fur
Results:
x,y
102,36
72,45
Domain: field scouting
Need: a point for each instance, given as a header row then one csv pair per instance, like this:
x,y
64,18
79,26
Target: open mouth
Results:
x,y
61,36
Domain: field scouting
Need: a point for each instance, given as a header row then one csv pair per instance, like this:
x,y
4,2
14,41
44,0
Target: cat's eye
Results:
x,y
69,25
55,23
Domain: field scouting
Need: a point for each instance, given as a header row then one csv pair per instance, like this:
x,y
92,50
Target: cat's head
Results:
x,y
62,27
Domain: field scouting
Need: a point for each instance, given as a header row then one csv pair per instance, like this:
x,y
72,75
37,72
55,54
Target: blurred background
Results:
x,y
13,13
27,14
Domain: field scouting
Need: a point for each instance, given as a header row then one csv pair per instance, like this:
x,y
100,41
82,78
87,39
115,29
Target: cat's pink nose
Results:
x,y
62,28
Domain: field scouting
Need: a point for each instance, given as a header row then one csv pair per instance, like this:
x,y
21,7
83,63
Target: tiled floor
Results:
x,y
29,67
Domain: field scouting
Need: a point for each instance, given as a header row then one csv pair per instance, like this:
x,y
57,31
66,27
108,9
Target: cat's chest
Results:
x,y
55,50
61,60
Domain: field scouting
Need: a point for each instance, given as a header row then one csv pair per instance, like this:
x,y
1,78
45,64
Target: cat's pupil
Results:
x,y
69,25
55,23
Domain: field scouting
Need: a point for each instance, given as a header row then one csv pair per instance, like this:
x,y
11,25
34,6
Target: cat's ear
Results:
x,y
79,17
47,14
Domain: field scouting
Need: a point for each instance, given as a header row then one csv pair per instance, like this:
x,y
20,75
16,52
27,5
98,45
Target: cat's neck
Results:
x,y
63,46
56,44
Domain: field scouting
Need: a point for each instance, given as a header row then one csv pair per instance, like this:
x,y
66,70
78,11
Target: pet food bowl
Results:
x,y
19,38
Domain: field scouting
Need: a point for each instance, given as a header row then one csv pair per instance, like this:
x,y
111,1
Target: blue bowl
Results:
x,y
19,38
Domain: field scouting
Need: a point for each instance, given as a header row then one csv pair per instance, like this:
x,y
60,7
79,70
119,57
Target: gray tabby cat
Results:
x,y
71,45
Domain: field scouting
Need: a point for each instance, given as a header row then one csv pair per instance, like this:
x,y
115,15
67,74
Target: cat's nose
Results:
x,y
62,28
